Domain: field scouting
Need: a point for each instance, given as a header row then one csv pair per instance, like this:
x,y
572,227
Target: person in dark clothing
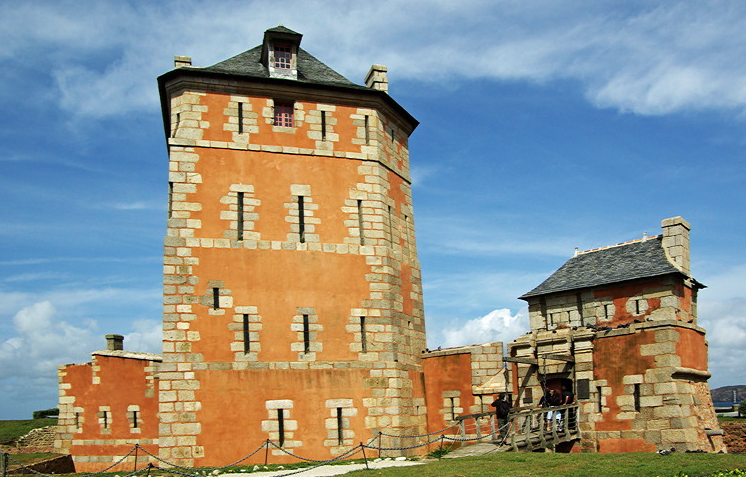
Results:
x,y
502,409
568,398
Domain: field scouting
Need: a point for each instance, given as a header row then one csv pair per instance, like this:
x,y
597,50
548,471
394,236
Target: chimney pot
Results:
x,y
180,61
114,342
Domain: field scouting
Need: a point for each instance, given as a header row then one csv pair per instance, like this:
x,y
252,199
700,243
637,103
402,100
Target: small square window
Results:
x,y
284,114
283,55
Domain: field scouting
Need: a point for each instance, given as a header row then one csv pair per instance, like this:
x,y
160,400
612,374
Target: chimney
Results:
x,y
180,61
676,242
114,342
377,78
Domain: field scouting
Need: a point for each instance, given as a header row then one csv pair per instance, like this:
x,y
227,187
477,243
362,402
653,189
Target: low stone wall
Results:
x,y
62,464
40,437
735,436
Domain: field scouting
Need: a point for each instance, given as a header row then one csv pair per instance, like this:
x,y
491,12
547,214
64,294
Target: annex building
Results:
x,y
293,300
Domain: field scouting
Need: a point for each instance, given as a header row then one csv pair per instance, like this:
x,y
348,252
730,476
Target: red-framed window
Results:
x,y
283,55
284,114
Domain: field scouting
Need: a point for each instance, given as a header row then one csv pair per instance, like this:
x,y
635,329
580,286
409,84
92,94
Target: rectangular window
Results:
x,y
363,337
240,118
283,114
360,221
636,394
281,425
176,126
216,298
240,216
584,389
306,335
283,56
528,396
340,426
323,125
367,131
301,220
607,312
246,336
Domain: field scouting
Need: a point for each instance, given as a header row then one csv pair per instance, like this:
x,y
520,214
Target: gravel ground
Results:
x,y
328,469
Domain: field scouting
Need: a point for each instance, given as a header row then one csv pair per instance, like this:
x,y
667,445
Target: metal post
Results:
x,y
136,446
380,438
442,438
266,451
364,457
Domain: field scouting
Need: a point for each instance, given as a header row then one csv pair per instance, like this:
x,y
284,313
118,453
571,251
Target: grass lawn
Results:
x,y
569,465
32,457
10,430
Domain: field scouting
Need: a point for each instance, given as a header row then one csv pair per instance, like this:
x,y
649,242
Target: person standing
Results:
x,y
502,409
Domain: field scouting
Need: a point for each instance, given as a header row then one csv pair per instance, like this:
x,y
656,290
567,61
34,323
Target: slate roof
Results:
x,y
629,261
310,70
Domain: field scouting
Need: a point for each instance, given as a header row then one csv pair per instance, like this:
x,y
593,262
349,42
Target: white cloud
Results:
x,y
644,58
147,337
497,325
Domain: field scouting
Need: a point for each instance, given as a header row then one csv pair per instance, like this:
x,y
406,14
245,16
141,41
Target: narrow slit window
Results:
x,y
176,126
240,118
323,125
239,213
134,420
579,300
600,393
246,335
281,426
170,199
391,228
106,419
340,427
607,312
367,131
360,221
306,335
363,337
393,137
636,394
283,114
301,220
216,298
453,408
77,421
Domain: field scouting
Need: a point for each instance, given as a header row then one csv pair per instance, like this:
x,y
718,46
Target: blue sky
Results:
x,y
545,126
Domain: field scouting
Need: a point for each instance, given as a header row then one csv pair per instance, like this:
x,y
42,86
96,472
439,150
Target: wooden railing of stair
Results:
x,y
526,429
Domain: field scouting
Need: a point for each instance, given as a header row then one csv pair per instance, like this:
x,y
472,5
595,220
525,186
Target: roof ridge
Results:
x,y
621,244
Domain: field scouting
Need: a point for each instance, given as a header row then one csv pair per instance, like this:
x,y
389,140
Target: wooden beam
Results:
x,y
533,361
559,357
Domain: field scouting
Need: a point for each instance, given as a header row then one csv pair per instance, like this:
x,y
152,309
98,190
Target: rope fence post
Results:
x,y
380,439
4,463
266,451
364,457
442,439
135,468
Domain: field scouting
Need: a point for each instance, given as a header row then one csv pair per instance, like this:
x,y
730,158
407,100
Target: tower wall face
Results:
x,y
275,326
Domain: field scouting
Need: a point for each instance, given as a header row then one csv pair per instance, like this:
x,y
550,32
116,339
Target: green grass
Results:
x,y
575,465
11,430
32,457
730,419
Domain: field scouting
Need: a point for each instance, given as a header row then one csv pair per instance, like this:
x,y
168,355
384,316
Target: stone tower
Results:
x,y
292,295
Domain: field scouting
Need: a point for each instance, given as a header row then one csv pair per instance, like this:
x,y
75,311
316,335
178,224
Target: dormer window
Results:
x,y
280,52
283,114
283,56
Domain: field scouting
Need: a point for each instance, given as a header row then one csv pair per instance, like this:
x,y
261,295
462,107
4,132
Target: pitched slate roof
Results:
x,y
629,261
310,70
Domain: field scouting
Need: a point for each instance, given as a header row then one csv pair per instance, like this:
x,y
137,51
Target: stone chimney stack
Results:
x,y
676,242
180,61
377,78
114,342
